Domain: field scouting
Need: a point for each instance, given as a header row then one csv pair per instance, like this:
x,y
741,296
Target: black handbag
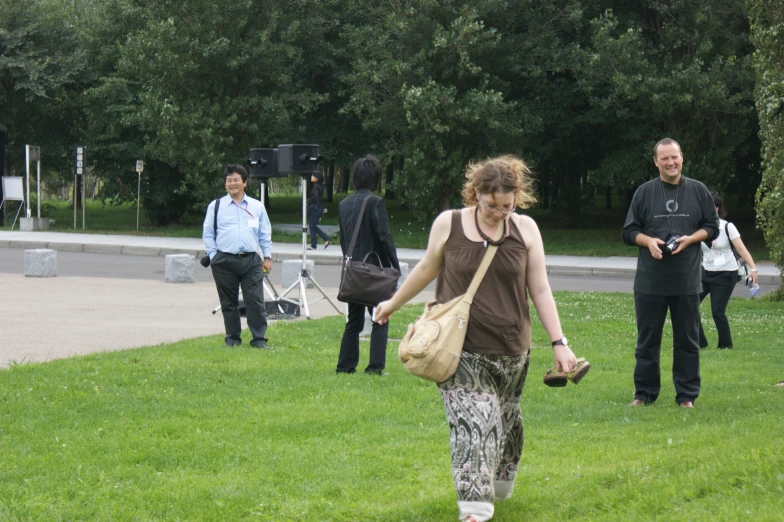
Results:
x,y
362,282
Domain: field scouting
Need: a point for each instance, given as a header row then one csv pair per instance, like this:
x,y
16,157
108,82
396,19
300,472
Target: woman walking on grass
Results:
x,y
482,398
720,274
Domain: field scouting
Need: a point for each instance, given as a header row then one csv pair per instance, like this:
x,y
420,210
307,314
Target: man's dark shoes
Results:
x,y
233,344
259,344
374,371
345,370
687,404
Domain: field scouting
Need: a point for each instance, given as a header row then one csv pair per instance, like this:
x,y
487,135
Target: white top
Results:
x,y
719,257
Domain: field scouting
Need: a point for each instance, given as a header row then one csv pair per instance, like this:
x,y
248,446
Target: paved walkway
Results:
x,y
48,318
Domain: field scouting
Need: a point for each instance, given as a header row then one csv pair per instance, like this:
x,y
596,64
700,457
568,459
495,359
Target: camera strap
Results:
x,y
215,218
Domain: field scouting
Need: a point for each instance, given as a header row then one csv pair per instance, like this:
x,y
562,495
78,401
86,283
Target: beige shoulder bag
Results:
x,y
432,345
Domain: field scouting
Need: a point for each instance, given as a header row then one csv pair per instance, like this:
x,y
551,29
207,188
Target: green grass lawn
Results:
x,y
195,431
600,234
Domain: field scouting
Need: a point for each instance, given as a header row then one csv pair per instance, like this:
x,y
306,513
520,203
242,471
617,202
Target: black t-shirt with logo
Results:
x,y
660,209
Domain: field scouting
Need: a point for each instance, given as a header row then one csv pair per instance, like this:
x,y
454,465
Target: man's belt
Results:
x,y
238,254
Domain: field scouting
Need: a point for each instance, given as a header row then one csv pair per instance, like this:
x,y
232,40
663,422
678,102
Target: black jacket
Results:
x,y
316,199
374,234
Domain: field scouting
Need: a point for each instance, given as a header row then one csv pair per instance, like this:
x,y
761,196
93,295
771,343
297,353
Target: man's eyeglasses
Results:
x,y
494,209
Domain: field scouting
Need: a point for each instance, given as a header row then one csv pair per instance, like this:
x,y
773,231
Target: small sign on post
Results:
x,y
139,170
80,160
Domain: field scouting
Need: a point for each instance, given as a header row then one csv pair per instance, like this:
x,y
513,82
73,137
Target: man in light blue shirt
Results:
x,y
238,240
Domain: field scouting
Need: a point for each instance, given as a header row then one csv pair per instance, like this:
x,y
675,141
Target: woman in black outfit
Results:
x,y
374,236
315,210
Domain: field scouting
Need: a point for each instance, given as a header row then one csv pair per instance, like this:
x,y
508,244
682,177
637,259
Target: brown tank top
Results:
x,y
500,322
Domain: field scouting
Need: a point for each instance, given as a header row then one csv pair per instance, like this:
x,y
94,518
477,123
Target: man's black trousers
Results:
x,y
349,345
231,272
685,316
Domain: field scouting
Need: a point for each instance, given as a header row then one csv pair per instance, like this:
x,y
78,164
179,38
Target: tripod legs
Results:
x,y
302,283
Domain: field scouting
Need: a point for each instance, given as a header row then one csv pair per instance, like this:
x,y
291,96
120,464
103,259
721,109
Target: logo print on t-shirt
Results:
x,y
671,206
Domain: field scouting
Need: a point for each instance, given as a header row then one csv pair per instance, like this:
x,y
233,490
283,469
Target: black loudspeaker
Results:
x,y
298,159
280,308
263,163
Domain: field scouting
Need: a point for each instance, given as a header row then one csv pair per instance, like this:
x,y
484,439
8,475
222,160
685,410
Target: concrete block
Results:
x,y
33,223
292,268
41,262
179,268
403,273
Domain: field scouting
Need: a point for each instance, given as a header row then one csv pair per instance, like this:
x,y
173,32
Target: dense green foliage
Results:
x,y
580,89
195,431
768,37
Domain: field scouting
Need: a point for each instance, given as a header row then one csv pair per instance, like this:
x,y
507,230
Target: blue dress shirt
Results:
x,y
236,232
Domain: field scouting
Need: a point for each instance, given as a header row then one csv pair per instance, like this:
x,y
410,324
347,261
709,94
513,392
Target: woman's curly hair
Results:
x,y
501,174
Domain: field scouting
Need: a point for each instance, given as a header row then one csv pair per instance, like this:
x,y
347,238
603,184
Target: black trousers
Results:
x,y
720,286
349,346
651,312
314,215
231,272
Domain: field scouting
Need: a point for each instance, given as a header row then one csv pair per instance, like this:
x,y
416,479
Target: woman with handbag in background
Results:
x,y
720,274
482,398
373,236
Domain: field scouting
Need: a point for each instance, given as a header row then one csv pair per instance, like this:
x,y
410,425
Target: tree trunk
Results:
x,y
329,183
572,194
388,192
608,197
344,181
545,193
627,199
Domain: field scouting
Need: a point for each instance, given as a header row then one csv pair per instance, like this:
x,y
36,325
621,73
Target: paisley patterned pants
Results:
x,y
482,402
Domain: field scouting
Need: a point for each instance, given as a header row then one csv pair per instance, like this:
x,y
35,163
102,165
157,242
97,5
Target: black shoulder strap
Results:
x,y
356,228
732,247
215,220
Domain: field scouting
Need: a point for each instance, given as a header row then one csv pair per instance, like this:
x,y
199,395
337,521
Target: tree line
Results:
x,y
580,89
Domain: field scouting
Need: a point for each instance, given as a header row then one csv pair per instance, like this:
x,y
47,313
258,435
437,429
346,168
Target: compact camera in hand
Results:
x,y
670,244
205,261
748,281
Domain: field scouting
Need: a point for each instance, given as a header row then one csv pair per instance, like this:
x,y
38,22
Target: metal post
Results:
x,y
27,171
84,178
38,188
75,195
138,194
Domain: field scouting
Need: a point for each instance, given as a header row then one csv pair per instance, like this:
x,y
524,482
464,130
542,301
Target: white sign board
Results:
x,y
13,188
139,166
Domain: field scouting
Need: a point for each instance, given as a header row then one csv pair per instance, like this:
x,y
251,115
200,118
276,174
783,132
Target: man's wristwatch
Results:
x,y
562,341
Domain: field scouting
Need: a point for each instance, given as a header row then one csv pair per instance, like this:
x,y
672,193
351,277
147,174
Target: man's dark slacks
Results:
x,y
651,312
231,272
349,346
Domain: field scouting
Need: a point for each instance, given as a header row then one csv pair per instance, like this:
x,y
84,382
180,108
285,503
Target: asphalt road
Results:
x,y
80,264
